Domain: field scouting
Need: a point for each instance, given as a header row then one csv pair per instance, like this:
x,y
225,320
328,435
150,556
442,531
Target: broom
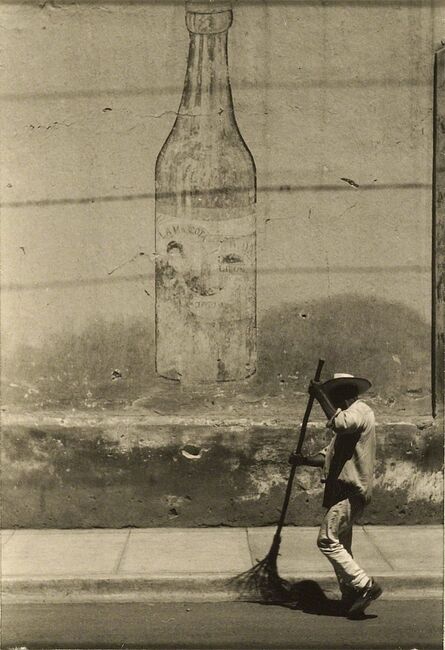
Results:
x,y
263,579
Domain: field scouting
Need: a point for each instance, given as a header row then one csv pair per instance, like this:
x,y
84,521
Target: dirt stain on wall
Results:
x,y
387,342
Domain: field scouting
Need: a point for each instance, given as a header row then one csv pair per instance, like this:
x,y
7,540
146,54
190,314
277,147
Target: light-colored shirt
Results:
x,y
350,456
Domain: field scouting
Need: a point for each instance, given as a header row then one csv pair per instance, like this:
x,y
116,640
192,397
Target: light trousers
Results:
x,y
335,542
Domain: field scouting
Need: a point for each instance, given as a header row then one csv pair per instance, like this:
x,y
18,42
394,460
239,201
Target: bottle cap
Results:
x,y
208,17
209,7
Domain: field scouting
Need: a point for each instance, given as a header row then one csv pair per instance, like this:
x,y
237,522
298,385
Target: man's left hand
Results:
x,y
297,459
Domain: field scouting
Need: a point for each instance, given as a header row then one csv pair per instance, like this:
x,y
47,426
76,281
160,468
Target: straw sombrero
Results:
x,y
343,379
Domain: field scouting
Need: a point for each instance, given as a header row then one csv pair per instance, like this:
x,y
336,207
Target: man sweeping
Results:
x,y
348,463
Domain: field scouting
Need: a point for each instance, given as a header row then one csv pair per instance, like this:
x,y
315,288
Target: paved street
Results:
x,y
127,589
388,625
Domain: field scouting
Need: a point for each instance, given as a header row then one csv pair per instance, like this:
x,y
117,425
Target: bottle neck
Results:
x,y
207,86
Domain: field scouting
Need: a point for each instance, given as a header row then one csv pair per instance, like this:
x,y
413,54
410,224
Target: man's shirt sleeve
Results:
x,y
325,450
347,421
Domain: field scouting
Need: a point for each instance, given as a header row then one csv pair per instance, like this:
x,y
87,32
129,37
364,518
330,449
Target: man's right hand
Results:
x,y
315,389
297,459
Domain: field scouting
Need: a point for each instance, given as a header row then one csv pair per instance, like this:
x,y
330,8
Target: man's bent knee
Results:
x,y
326,544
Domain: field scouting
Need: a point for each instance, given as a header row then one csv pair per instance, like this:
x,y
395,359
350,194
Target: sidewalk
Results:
x,y
193,564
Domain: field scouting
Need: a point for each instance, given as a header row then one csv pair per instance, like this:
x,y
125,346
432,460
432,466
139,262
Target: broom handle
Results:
x,y
308,409
297,451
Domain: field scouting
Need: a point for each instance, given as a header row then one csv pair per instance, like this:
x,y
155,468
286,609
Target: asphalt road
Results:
x,y
388,625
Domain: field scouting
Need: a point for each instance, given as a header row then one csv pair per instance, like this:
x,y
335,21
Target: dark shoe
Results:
x,y
364,598
347,600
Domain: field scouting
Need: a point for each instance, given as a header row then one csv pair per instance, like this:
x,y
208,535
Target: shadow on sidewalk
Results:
x,y
307,596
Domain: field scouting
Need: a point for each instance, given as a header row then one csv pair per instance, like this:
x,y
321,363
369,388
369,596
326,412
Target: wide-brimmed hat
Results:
x,y
343,379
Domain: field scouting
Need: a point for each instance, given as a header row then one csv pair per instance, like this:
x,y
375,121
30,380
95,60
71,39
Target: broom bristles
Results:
x,y
262,581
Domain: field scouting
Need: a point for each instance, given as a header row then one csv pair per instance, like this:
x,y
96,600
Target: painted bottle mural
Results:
x,y
205,221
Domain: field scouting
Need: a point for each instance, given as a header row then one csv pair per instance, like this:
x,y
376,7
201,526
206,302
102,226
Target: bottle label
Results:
x,y
207,265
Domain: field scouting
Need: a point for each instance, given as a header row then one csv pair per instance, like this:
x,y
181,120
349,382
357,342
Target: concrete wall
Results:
x,y
335,103
321,92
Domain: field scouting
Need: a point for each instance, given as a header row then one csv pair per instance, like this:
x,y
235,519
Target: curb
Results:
x,y
189,588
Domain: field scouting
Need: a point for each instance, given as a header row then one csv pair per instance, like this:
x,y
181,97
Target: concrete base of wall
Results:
x,y
106,469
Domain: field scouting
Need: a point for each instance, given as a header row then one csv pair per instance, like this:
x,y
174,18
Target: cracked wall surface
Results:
x,y
335,103
340,134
